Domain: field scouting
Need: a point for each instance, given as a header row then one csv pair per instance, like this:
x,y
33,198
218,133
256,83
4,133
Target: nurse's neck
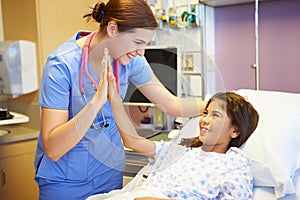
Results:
x,y
96,52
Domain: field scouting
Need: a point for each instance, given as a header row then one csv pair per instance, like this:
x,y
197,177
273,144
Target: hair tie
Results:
x,y
98,12
101,13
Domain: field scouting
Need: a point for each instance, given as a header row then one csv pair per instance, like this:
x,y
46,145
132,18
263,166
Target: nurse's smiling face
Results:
x,y
129,44
216,129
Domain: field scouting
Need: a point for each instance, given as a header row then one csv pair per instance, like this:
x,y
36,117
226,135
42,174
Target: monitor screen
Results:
x,y
164,62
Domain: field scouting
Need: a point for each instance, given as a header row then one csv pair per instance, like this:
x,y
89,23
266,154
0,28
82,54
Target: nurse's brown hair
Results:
x,y
242,115
128,14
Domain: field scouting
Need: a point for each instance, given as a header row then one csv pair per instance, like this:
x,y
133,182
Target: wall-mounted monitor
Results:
x,y
165,62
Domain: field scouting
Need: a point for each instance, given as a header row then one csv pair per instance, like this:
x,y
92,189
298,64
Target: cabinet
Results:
x,y
17,171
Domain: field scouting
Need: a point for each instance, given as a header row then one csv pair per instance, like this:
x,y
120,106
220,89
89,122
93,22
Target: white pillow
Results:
x,y
190,130
274,147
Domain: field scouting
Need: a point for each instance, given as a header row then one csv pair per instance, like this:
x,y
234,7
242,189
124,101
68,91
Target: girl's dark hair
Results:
x,y
242,115
128,14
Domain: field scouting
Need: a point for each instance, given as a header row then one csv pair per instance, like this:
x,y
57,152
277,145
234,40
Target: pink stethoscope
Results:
x,y
84,64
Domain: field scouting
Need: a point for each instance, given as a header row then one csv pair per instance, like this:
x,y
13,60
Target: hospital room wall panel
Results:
x,y
279,43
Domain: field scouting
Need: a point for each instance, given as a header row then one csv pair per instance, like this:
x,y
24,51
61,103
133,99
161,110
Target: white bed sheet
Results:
x,y
259,193
263,193
267,193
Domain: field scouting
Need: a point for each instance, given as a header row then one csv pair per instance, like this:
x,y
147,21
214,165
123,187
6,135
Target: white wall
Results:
x,y
209,52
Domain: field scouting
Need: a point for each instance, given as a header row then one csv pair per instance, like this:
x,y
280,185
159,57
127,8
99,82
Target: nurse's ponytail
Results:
x,y
128,14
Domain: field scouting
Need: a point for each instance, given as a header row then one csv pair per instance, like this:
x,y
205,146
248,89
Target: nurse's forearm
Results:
x,y
190,107
182,107
60,137
170,104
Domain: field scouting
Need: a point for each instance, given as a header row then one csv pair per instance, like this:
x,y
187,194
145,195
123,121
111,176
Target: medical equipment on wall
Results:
x,y
18,76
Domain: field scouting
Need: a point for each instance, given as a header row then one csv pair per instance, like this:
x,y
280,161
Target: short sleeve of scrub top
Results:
x,y
138,71
141,71
57,76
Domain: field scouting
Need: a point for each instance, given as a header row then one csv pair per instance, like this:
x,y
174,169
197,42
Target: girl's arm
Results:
x,y
129,135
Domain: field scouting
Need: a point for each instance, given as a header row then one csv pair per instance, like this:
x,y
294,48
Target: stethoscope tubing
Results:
x,y
84,66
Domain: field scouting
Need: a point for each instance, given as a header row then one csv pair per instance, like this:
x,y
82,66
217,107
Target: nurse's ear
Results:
x,y
112,28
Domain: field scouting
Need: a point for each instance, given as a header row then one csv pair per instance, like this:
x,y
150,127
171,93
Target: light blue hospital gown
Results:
x,y
185,173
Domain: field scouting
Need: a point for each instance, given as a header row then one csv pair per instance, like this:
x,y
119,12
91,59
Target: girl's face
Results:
x,y
216,130
127,45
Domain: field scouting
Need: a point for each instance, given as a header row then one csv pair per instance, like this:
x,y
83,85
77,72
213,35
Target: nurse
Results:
x,y
80,151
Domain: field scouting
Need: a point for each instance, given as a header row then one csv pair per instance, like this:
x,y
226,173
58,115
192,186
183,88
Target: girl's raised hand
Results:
x,y
112,88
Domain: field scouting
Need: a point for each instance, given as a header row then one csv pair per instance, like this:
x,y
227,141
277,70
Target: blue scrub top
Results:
x,y
99,151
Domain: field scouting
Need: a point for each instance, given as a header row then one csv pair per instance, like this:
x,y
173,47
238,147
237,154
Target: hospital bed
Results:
x,y
273,148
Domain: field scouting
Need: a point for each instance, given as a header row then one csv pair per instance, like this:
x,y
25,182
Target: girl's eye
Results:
x,y
216,114
139,42
204,113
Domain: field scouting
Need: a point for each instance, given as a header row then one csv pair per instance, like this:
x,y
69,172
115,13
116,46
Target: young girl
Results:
x,y
209,166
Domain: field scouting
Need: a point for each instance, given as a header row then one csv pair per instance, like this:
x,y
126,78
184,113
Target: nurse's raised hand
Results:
x,y
103,85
